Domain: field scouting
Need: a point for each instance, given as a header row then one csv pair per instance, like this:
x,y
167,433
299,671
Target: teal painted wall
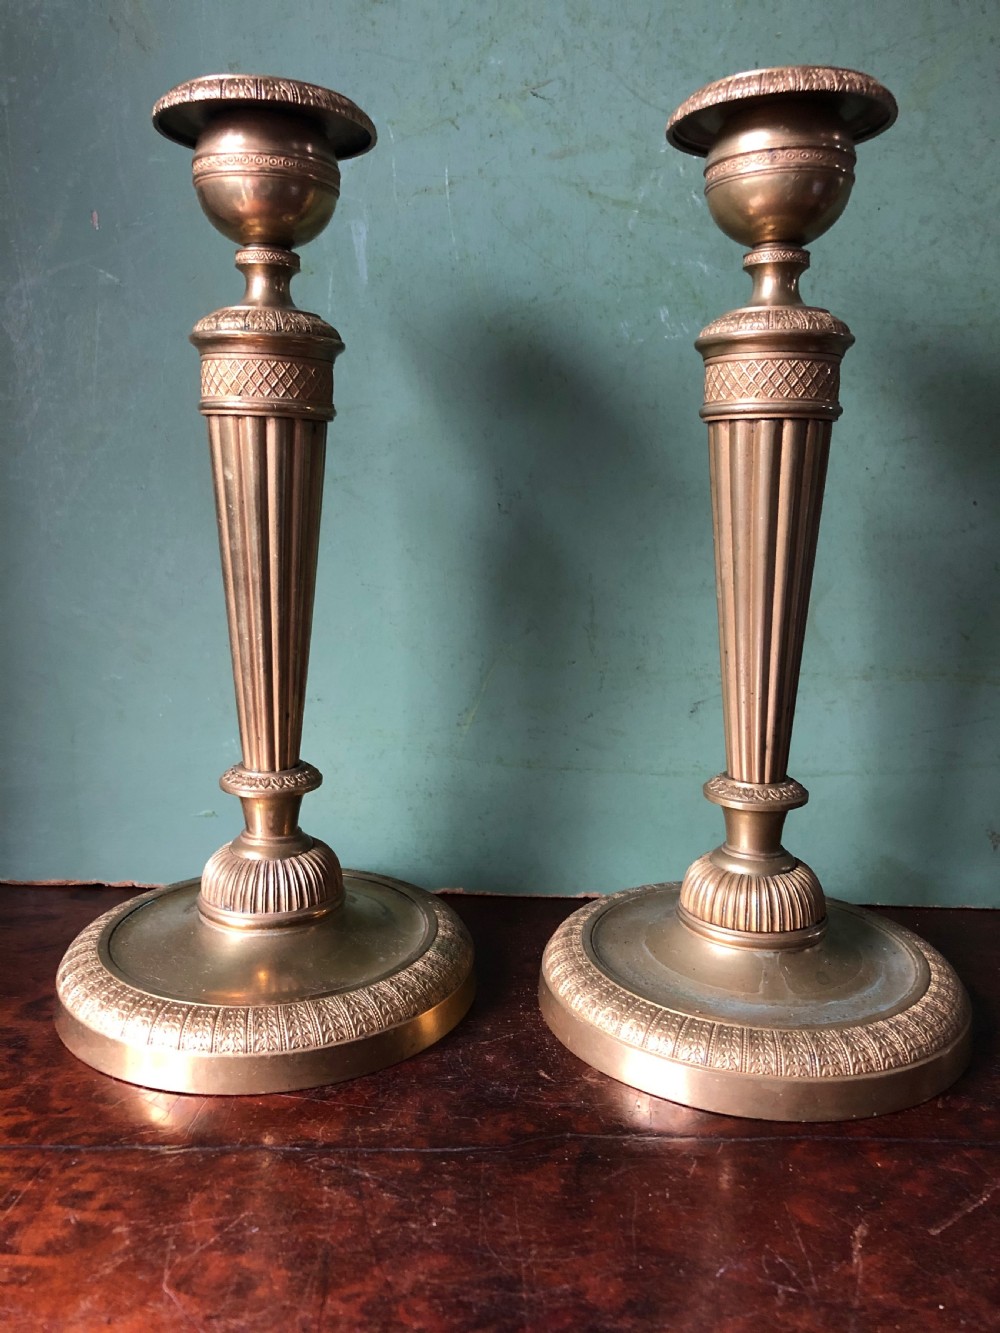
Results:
x,y
514,677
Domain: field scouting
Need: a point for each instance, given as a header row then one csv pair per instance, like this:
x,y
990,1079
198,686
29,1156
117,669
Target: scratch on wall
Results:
x,y
392,163
451,216
359,235
470,713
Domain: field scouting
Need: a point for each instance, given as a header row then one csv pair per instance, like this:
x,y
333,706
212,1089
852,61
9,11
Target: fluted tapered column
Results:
x,y
268,487
767,480
267,394
772,372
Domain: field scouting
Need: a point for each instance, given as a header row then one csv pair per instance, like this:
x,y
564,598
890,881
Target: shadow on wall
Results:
x,y
576,494
935,561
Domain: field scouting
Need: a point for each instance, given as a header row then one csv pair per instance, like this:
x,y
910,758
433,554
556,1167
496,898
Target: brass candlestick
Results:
x,y
744,990
275,970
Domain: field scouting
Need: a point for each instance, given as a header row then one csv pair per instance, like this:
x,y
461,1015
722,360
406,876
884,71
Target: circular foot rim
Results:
x,y
884,1061
130,1029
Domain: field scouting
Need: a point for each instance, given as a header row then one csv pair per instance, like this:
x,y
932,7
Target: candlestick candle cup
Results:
x,y
743,989
276,969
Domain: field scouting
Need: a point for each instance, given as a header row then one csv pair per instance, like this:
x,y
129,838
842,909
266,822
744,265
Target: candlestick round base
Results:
x,y
154,994
869,1019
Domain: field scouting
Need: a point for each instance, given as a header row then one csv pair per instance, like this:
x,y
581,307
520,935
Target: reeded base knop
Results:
x,y
154,994
869,1019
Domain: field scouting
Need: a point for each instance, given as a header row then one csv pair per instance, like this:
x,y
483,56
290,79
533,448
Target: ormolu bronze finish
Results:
x,y
270,972
745,990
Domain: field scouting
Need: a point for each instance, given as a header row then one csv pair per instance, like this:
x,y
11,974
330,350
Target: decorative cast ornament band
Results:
x,y
918,1032
268,319
777,254
98,997
244,383
863,104
776,319
802,380
183,112
260,254
777,159
240,781
724,790
302,168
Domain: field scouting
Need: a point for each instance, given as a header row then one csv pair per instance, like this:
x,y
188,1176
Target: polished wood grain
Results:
x,y
492,1183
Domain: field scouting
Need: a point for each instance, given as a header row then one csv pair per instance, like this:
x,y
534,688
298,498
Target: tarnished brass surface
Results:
x,y
689,993
266,171
859,102
870,1020
152,994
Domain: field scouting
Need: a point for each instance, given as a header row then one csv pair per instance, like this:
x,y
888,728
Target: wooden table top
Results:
x,y
493,1182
